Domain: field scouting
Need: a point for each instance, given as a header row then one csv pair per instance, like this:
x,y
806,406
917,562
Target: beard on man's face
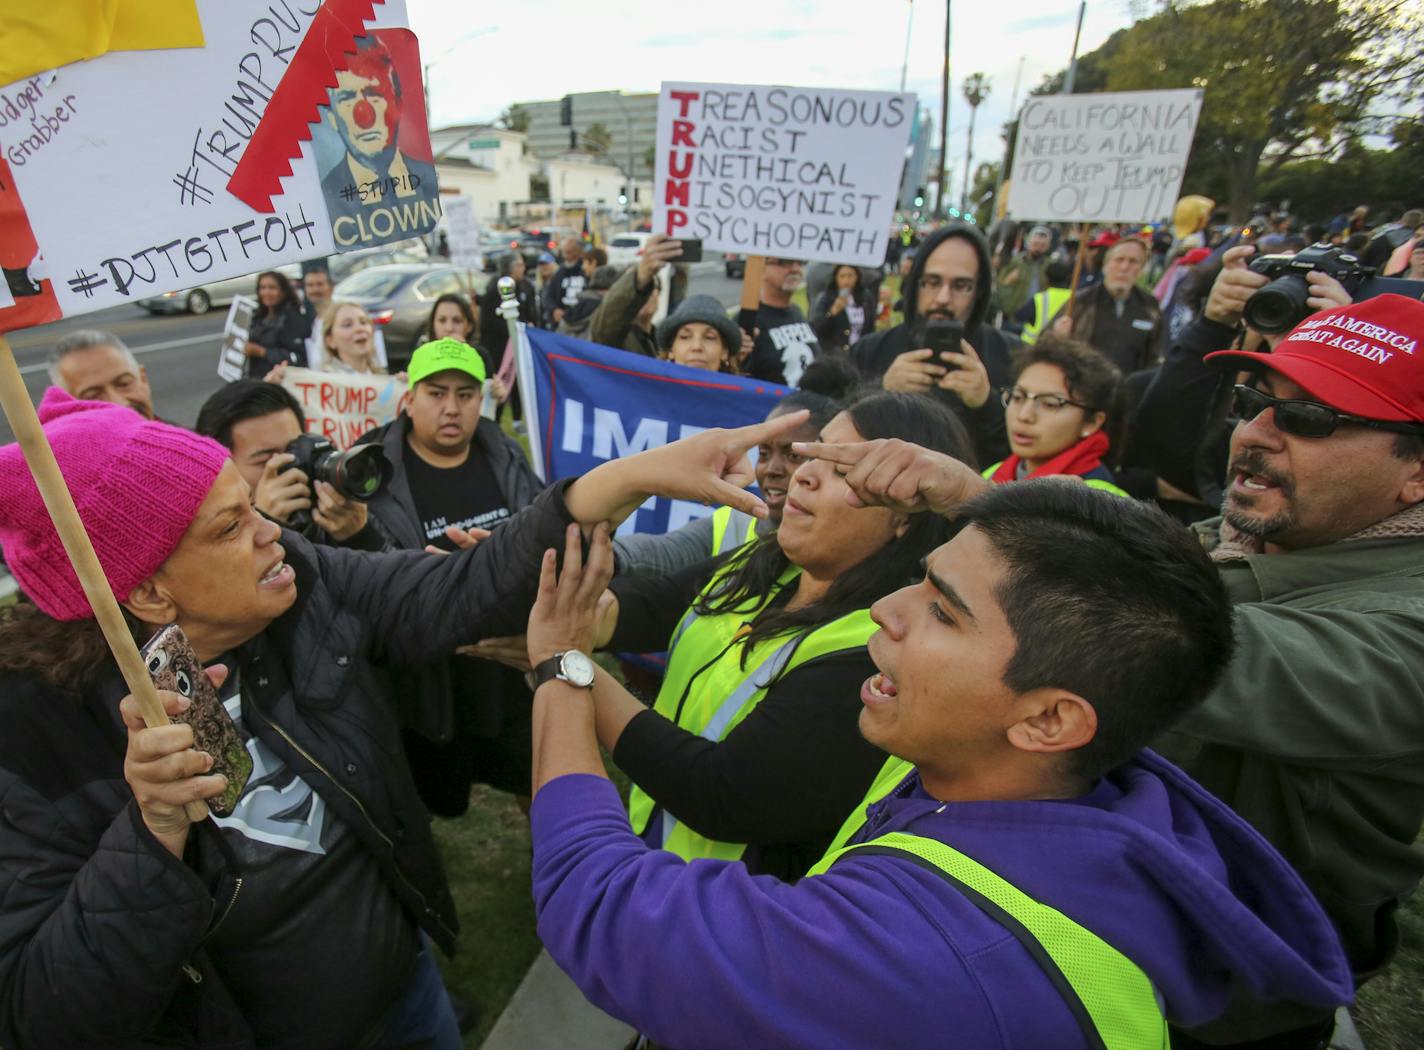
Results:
x,y
1237,508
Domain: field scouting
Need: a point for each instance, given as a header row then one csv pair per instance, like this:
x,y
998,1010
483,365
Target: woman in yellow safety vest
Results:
x,y
1056,414
752,748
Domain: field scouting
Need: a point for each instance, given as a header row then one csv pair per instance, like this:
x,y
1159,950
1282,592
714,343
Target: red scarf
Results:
x,y
1082,458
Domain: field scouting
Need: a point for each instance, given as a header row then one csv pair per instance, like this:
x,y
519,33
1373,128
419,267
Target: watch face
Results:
x,y
576,669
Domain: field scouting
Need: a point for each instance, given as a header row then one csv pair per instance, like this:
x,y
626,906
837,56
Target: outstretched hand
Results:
x,y
566,611
888,472
709,467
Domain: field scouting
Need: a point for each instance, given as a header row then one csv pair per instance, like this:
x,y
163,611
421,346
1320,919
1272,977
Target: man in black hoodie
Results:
x,y
951,279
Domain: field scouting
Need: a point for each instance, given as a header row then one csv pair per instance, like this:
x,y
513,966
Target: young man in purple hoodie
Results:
x,y
1035,879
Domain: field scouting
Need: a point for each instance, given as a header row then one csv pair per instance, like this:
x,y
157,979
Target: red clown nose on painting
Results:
x,y
364,114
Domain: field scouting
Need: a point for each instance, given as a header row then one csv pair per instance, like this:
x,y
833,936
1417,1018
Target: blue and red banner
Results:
x,y
586,404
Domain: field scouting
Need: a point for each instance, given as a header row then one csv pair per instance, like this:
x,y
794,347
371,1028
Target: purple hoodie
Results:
x,y
880,952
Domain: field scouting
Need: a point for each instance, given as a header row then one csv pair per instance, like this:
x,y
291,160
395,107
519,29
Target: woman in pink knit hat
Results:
x,y
304,918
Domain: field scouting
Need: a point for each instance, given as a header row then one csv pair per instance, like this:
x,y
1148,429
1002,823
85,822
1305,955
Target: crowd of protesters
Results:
x,y
899,783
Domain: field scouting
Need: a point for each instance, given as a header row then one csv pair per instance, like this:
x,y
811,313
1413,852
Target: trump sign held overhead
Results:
x,y
98,211
809,173
587,404
1116,157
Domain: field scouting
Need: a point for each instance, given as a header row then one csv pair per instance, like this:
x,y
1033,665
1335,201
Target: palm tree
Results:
x,y
596,138
976,90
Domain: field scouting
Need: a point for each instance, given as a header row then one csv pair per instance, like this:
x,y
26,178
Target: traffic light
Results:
x,y
919,197
566,111
623,195
953,212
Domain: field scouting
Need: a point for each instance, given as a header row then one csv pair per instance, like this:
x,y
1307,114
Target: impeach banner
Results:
x,y
341,406
809,173
587,404
1116,157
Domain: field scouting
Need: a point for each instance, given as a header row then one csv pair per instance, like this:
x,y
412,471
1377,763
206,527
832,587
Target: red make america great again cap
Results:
x,y
1362,359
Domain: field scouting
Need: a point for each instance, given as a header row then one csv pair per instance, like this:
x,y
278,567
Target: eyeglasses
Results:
x,y
1307,419
961,286
1048,402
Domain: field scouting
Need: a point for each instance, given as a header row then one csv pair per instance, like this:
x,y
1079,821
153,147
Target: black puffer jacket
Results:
x,y
101,928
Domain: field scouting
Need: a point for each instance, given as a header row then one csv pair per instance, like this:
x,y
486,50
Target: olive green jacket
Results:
x,y
1315,734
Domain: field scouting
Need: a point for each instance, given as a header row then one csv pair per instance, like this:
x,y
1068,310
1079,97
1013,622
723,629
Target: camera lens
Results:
x,y
1279,306
357,474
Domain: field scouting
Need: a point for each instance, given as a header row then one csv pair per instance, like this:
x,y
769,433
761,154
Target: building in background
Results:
x,y
630,120
917,162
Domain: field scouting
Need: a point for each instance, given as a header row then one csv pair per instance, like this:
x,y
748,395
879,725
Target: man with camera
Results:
x,y
950,285
1316,733
264,427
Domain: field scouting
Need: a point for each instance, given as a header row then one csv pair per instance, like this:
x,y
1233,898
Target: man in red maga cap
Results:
x,y
1316,733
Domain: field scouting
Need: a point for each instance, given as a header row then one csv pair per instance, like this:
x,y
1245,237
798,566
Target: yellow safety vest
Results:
x,y
1092,483
1110,996
1046,305
730,529
708,690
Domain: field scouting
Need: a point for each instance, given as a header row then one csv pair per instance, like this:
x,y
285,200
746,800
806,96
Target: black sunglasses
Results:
x,y
1307,419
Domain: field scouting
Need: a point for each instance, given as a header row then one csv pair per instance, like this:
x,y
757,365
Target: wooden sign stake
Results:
x,y
40,458
751,293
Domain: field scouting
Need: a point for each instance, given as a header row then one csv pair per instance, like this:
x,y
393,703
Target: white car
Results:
x,y
625,248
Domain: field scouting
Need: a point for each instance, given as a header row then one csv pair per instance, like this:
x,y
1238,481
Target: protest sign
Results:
x,y
464,232
587,404
232,358
1115,157
809,173
116,214
341,406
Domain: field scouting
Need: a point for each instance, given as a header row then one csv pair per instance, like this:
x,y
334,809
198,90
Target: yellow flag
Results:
x,y
57,32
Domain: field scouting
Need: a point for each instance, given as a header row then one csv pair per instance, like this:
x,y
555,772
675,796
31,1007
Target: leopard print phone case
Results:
x,y
174,667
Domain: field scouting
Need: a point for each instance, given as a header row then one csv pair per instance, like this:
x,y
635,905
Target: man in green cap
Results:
x,y
456,473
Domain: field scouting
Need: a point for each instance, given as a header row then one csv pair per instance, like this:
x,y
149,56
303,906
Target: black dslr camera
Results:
x,y
358,473
1280,305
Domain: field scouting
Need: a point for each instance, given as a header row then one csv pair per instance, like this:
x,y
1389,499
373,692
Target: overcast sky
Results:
x,y
483,56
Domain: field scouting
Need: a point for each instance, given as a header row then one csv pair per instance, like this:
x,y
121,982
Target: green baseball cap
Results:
x,y
442,355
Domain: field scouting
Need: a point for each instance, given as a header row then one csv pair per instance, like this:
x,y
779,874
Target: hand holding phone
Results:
x,y
691,250
944,336
175,668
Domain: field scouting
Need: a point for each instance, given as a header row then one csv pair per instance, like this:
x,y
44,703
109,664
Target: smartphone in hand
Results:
x,y
174,667
943,335
691,250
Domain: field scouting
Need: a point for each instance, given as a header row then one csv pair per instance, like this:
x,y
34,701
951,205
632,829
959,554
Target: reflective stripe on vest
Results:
x,y
1046,305
1111,998
1092,483
891,774
730,529
708,693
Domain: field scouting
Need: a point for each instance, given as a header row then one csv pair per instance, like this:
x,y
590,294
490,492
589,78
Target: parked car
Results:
x,y
399,298
343,266
201,298
736,264
626,248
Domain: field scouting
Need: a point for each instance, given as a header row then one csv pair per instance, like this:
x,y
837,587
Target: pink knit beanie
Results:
x,y
137,483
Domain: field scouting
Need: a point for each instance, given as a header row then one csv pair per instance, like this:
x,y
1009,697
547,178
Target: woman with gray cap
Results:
x,y
699,334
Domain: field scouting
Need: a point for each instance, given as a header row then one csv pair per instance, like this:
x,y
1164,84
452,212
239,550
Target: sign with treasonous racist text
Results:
x,y
803,173
1114,157
117,174
342,406
587,404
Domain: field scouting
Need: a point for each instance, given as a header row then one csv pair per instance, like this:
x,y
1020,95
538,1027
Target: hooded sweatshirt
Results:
x,y
876,352
878,951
